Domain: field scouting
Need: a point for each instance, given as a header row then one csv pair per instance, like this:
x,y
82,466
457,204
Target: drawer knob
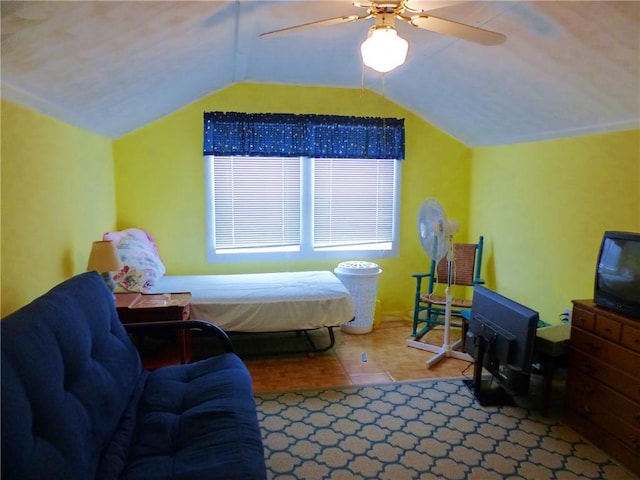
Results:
x,y
590,368
586,410
592,347
588,389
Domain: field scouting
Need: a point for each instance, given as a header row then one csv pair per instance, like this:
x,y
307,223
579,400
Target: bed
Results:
x,y
241,303
267,302
264,302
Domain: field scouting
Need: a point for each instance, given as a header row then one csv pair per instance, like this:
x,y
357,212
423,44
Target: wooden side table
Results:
x,y
166,349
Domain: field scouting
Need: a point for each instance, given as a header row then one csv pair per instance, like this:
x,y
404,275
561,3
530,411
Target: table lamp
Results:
x,y
104,259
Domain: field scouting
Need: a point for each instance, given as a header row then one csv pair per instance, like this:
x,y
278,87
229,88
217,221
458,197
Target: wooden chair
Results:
x,y
429,305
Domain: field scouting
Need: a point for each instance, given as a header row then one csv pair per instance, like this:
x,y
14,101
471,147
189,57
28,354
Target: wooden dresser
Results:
x,y
602,400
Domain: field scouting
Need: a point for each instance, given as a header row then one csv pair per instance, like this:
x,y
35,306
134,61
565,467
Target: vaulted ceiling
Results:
x,y
110,67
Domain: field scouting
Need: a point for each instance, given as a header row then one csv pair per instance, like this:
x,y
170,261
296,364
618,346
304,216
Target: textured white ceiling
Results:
x,y
567,68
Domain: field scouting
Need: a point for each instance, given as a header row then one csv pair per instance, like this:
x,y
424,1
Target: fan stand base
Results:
x,y
443,351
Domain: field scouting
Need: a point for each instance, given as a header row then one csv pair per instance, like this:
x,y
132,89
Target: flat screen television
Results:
x,y
617,284
500,338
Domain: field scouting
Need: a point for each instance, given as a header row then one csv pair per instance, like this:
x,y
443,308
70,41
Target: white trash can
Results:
x,y
361,279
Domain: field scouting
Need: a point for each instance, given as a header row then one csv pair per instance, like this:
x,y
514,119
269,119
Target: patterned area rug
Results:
x,y
431,429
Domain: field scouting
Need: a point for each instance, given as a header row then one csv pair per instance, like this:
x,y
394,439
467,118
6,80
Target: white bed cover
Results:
x,y
265,302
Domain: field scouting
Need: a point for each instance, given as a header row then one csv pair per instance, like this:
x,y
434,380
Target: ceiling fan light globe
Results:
x,y
384,50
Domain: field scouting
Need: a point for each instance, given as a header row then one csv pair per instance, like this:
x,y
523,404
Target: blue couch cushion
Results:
x,y
198,422
69,371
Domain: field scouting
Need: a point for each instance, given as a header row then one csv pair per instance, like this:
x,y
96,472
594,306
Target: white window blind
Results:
x,y
353,203
256,203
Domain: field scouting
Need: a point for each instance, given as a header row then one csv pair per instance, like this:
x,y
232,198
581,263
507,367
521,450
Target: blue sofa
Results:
x,y
76,403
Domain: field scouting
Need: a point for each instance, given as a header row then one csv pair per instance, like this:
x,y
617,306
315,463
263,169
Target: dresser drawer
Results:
x,y
625,433
583,318
627,455
630,337
615,378
605,351
604,406
608,328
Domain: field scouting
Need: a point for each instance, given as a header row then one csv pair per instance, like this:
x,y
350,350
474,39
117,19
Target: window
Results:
x,y
286,186
277,208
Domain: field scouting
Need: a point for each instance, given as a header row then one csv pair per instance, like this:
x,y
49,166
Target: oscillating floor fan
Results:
x,y
436,236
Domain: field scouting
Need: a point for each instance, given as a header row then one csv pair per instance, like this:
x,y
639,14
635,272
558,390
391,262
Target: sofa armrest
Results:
x,y
206,328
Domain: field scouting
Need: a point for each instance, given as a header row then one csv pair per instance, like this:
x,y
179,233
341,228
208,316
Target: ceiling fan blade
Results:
x,y
319,23
457,29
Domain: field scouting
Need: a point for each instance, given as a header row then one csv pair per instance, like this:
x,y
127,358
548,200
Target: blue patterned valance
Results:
x,y
291,135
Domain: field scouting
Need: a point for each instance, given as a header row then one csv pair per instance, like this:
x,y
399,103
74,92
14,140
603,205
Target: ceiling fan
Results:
x,y
384,50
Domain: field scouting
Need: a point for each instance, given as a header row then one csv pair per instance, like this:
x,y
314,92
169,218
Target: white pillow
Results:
x,y
142,265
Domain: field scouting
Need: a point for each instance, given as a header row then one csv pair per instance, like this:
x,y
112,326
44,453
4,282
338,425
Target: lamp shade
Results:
x,y
104,257
384,50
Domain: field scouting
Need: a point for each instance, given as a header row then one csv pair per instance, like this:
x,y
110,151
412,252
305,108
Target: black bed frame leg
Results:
x,y
314,348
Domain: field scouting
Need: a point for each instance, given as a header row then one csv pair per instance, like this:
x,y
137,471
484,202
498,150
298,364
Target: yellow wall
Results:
x,y
160,179
543,208
57,197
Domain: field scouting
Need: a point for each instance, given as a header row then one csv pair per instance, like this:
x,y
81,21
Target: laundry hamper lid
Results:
x,y
357,267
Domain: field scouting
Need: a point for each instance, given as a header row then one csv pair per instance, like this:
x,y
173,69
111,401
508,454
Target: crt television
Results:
x,y
617,284
500,338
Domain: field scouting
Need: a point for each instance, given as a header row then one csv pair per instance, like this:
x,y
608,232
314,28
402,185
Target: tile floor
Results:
x,y
388,359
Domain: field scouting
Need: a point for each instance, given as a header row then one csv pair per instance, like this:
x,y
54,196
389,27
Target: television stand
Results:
x,y
482,391
487,396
